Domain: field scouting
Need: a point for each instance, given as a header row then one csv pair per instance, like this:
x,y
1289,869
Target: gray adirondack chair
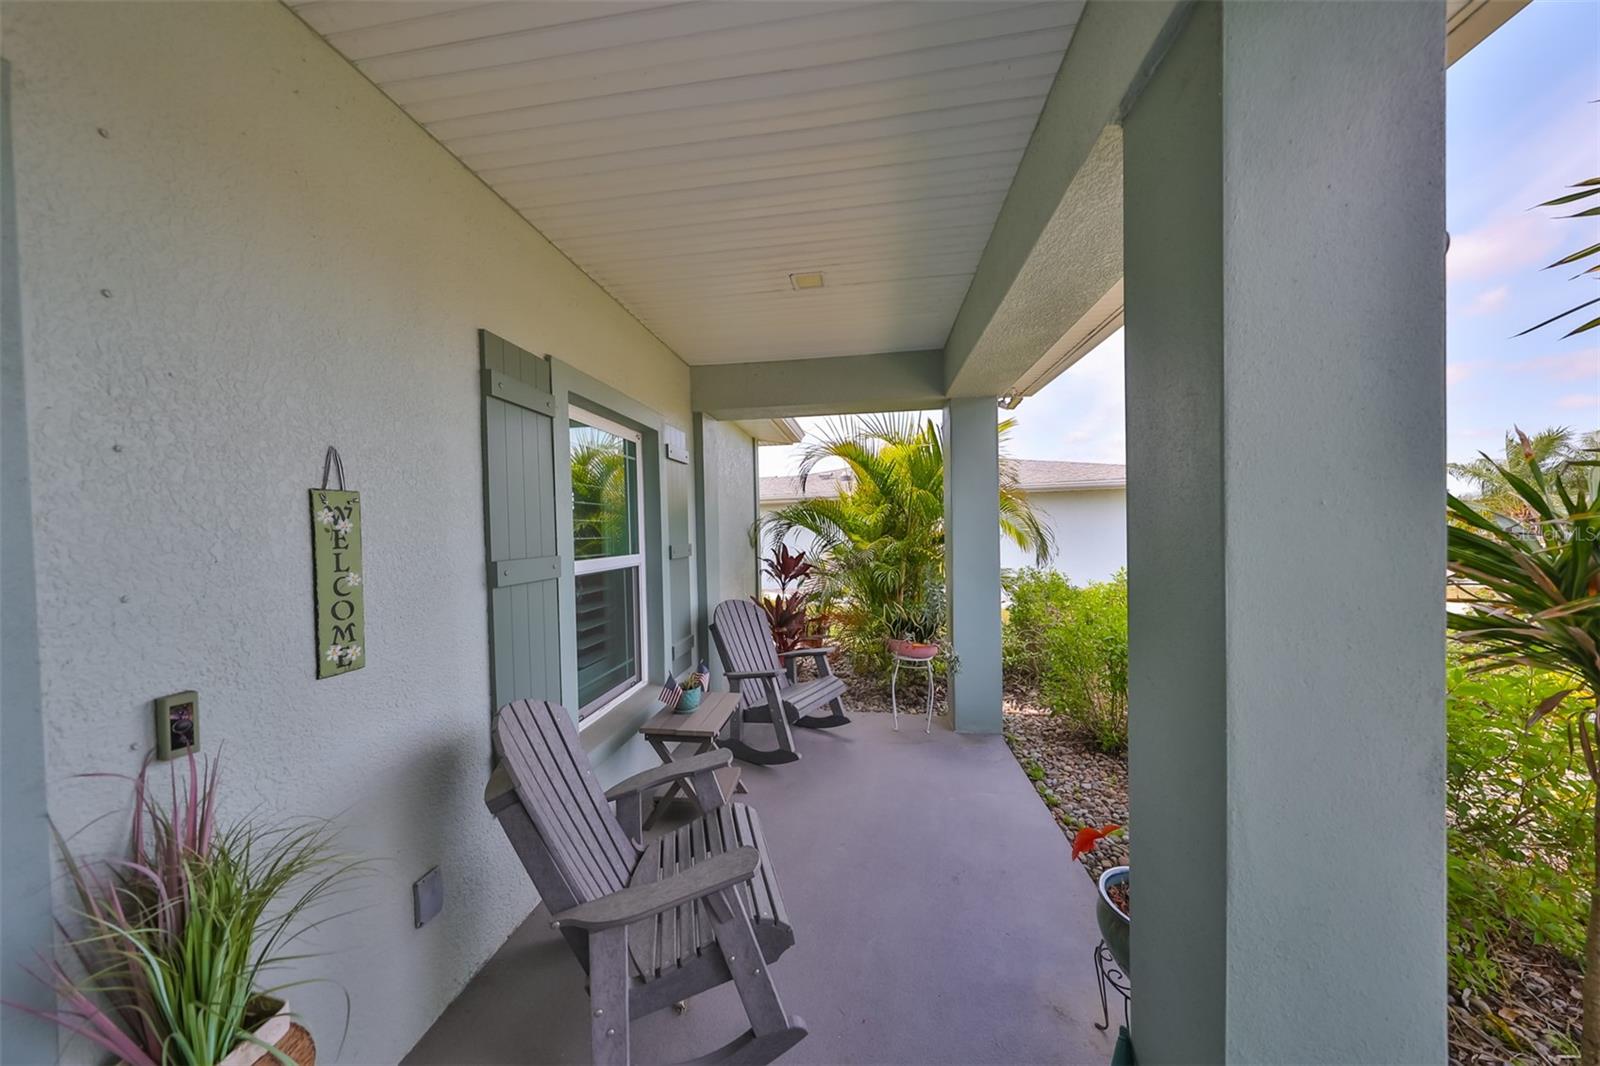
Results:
x,y
766,682
652,923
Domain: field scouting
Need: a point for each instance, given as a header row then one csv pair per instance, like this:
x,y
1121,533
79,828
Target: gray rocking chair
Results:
x,y
765,681
652,923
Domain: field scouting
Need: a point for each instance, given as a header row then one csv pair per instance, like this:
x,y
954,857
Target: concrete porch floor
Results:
x,y
937,916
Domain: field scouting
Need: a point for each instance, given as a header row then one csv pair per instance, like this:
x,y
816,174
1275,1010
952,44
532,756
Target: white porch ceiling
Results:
x,y
691,156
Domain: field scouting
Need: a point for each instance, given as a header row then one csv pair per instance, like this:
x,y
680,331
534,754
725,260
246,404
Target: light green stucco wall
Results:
x,y
731,477
1285,363
726,471
287,262
972,560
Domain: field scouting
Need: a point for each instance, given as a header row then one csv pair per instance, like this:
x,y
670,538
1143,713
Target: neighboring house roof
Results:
x,y
1033,475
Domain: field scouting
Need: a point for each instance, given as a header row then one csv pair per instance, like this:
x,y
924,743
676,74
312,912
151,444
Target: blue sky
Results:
x,y
1519,129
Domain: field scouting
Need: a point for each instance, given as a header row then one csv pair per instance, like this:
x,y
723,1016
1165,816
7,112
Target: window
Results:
x,y
608,561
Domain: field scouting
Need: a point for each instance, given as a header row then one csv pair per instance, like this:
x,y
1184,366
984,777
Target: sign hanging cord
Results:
x,y
332,462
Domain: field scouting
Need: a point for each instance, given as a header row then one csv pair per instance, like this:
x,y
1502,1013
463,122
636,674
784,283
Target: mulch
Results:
x,y
1538,1019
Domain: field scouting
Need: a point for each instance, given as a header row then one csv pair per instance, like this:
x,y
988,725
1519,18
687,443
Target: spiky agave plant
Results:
x,y
178,939
1536,587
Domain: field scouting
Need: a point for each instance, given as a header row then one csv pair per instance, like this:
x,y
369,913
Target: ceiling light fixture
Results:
x,y
812,280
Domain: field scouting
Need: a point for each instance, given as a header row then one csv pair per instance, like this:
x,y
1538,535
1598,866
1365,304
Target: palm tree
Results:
x,y
1586,188
1550,451
881,541
601,488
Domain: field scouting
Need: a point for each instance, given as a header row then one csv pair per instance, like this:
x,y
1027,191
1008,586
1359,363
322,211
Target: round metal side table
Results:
x,y
894,702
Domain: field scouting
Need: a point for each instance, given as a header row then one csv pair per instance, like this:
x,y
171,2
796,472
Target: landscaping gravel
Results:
x,y
1081,785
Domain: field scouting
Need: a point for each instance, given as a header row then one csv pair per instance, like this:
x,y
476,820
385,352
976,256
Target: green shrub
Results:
x,y
1519,810
1071,643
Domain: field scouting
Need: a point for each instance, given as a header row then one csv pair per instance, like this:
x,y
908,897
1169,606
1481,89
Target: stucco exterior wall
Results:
x,y
1286,646
731,476
234,252
1091,531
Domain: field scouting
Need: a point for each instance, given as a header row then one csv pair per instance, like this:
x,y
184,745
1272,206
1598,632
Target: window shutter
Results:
x,y
520,513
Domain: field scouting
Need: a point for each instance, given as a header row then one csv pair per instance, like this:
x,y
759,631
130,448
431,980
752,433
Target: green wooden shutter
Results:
x,y
520,513
679,477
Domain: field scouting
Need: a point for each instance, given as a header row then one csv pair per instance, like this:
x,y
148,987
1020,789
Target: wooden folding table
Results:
x,y
695,732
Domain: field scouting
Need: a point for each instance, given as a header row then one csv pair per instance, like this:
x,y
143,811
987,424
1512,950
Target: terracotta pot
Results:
x,y
911,649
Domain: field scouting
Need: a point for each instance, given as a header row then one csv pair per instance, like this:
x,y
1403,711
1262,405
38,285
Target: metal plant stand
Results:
x,y
894,703
1110,975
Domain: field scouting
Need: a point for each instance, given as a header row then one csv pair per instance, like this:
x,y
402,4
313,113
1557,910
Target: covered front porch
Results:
x,y
939,919
239,232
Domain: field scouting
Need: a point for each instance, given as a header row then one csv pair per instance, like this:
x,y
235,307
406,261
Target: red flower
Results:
x,y
1088,837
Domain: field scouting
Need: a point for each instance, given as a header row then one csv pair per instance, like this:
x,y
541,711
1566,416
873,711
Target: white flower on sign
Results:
x,y
353,579
335,652
342,526
354,652
326,516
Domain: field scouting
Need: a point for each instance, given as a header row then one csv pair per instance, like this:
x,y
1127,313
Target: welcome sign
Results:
x,y
336,581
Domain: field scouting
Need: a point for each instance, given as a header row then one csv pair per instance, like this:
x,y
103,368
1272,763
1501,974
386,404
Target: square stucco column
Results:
x,y
1284,258
972,559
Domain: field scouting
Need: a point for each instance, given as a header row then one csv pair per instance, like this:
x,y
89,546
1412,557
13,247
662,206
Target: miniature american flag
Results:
x,y
703,674
670,692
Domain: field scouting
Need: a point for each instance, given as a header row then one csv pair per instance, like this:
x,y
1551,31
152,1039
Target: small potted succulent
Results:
x,y
913,630
1111,908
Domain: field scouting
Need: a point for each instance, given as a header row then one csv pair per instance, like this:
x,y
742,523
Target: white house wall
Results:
x,y
1091,531
1090,528
234,252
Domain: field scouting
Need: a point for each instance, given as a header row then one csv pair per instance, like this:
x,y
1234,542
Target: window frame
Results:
x,y
635,561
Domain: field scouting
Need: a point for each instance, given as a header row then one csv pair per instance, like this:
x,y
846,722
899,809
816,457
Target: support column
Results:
x,y
972,559
708,546
1284,267
25,919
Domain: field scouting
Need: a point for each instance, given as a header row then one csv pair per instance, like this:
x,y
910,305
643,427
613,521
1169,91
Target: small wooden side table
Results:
x,y
699,730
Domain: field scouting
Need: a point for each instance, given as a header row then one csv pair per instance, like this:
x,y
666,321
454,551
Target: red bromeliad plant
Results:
x,y
788,613
1087,837
178,937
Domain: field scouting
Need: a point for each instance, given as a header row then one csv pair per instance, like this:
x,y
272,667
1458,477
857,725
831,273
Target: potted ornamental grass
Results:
x,y
178,941
912,630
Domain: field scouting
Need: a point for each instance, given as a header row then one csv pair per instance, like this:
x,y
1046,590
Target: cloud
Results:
x,y
1581,365
1488,301
1080,415
1509,242
1456,373
1581,401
